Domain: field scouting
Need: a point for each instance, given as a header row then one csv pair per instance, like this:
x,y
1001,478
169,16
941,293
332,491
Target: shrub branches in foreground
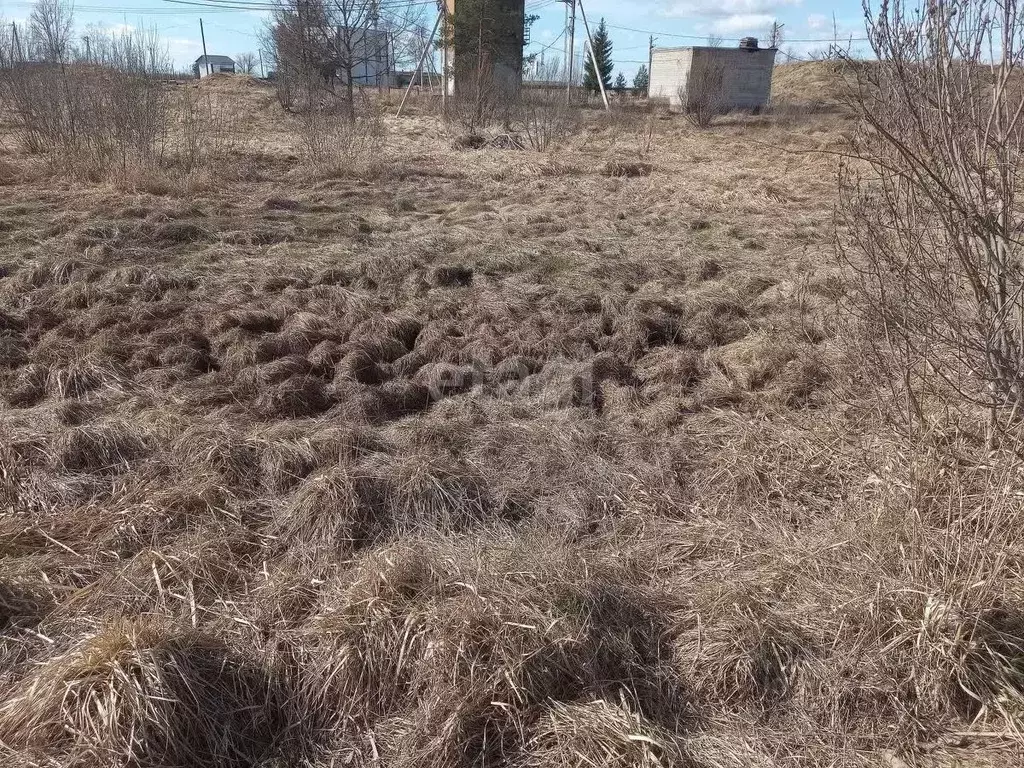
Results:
x,y
931,200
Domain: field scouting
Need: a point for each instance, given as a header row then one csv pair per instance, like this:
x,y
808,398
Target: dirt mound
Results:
x,y
821,84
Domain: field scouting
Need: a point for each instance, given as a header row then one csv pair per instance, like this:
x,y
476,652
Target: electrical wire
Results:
x,y
254,5
550,45
704,37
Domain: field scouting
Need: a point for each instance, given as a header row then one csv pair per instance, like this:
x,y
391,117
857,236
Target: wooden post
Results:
x,y
593,58
445,31
17,43
650,66
206,58
572,45
419,67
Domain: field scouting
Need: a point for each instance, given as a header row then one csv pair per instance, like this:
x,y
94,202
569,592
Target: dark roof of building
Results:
x,y
215,59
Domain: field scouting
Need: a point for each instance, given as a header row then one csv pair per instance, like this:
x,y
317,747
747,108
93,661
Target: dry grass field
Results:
x,y
476,458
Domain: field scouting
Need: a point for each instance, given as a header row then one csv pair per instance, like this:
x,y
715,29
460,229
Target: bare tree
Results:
x,y
50,24
245,63
7,55
332,44
931,200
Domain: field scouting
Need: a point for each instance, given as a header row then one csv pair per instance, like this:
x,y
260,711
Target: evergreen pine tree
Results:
x,y
642,81
620,82
603,52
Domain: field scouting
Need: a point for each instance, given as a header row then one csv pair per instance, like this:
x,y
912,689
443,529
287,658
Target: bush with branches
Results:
x,y
546,120
94,120
931,202
335,146
702,100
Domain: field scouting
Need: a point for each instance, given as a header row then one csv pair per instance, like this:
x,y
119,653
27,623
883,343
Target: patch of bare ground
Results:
x,y
493,459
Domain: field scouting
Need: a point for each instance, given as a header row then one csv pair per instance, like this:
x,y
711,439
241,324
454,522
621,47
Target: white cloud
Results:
x,y
723,9
112,30
742,23
817,21
183,50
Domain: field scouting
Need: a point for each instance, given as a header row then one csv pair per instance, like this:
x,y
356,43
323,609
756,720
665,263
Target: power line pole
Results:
x,y
447,36
565,38
650,65
17,43
593,59
263,73
88,51
423,56
202,34
572,51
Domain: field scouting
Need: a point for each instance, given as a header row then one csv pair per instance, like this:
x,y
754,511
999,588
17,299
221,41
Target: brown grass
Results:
x,y
550,467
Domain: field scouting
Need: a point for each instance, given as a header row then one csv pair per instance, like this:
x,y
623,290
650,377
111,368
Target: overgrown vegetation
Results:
x,y
359,450
931,200
701,98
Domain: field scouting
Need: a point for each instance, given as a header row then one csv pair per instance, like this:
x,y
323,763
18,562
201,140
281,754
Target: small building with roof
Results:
x,y
730,78
213,65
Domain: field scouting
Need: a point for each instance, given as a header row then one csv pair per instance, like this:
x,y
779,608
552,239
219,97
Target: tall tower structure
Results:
x,y
484,40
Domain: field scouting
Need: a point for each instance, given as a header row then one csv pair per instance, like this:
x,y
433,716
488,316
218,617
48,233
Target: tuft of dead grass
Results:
x,y
103,447
627,168
141,692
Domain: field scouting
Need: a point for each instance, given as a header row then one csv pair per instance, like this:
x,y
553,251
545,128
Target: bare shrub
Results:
x,y
547,121
931,199
643,130
702,101
477,107
91,120
334,146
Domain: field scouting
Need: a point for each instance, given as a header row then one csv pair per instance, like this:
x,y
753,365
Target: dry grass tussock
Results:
x,y
496,459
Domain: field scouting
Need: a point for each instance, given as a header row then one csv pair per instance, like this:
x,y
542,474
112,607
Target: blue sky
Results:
x,y
808,24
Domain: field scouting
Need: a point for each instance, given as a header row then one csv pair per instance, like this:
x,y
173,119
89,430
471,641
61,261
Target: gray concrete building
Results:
x,y
738,78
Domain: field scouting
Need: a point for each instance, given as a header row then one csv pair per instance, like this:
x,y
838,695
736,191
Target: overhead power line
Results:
x,y
553,43
704,37
211,6
254,5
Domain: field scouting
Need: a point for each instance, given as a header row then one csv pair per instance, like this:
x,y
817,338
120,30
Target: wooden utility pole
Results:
x,y
593,58
423,57
447,35
572,52
202,34
565,37
650,64
17,43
